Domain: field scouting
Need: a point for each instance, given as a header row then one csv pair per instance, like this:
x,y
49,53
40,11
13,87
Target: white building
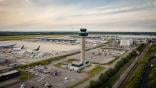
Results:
x,y
78,67
126,42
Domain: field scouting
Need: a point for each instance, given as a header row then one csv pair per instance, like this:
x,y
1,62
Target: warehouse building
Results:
x,y
126,42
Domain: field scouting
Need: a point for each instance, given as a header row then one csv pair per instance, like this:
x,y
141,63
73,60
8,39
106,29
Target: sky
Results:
x,y
71,15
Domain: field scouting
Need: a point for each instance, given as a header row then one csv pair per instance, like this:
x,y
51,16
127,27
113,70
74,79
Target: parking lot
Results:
x,y
101,55
47,76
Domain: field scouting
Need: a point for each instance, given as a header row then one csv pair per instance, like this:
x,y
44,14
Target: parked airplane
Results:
x,y
38,48
22,47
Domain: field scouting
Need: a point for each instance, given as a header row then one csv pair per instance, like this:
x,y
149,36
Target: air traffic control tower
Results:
x,y
83,33
77,67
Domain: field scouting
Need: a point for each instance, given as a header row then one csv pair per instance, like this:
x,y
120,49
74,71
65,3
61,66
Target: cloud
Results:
x,y
94,14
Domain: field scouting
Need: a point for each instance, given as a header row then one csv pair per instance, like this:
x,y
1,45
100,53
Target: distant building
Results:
x,y
94,37
60,40
126,42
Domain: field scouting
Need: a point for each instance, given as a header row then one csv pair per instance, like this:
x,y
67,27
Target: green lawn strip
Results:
x,y
22,37
6,38
69,61
141,66
91,74
25,75
59,65
43,62
95,70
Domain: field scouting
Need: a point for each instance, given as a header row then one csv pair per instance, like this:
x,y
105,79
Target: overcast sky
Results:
x,y
70,15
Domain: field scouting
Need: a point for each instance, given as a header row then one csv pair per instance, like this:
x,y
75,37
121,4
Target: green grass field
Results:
x,y
23,37
25,75
69,61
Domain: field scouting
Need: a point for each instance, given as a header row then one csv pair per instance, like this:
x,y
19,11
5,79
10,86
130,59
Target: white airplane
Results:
x,y
22,47
38,48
